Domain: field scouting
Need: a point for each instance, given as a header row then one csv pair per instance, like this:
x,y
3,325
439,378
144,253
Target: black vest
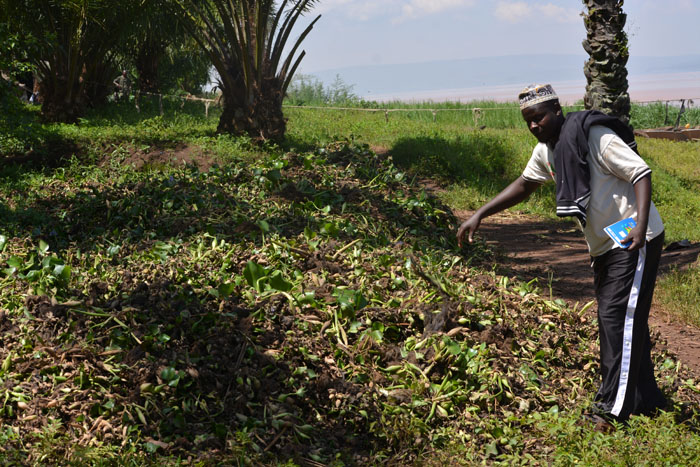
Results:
x,y
571,169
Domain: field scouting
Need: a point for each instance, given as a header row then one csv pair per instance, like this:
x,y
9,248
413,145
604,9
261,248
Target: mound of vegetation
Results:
x,y
310,308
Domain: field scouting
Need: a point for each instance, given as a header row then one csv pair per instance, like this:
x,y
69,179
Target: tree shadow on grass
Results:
x,y
230,202
297,144
196,377
126,113
475,159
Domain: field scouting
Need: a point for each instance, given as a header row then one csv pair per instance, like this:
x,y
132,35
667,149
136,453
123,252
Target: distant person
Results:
x,y
122,86
600,179
34,99
25,82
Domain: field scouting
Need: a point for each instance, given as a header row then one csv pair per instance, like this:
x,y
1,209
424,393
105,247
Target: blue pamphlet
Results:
x,y
619,230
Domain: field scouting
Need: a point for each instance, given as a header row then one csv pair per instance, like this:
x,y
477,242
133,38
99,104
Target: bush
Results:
x,y
307,90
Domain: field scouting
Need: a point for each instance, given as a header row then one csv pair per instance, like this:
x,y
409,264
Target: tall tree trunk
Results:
x,y
147,61
63,97
257,114
606,69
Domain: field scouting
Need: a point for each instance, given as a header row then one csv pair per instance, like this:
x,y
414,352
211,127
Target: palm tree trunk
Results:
x,y
147,62
261,117
606,72
62,96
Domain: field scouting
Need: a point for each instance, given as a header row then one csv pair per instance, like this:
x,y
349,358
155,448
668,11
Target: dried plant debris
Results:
x,y
314,308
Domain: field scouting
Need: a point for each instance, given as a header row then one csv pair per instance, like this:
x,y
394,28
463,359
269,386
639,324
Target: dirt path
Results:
x,y
556,252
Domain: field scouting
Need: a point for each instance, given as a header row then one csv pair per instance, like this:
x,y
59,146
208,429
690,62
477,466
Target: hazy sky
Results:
x,y
367,32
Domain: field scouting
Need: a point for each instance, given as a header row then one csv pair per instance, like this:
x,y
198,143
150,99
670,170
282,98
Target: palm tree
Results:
x,y
245,40
605,70
74,48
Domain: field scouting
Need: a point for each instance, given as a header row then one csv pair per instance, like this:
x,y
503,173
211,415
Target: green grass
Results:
x,y
679,159
645,441
677,194
678,292
656,115
381,129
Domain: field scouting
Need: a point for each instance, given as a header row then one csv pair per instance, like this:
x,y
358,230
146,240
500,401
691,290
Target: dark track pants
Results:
x,y
624,284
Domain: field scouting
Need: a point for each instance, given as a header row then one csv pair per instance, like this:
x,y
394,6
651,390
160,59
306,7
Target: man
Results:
x,y
122,85
600,179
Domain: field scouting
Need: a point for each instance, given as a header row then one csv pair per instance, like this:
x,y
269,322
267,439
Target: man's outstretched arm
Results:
x,y
513,194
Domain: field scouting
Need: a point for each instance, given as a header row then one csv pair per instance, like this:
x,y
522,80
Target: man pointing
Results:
x,y
600,179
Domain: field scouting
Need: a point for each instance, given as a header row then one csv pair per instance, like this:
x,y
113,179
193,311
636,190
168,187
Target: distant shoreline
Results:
x,y
643,88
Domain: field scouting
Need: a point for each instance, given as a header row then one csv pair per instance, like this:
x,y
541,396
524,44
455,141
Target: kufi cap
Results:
x,y
535,94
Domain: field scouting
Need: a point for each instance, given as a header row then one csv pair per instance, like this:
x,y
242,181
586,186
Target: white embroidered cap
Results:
x,y
535,94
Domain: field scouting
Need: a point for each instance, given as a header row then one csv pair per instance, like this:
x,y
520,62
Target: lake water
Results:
x,y
643,88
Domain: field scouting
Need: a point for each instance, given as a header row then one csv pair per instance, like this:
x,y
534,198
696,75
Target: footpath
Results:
x,y
555,252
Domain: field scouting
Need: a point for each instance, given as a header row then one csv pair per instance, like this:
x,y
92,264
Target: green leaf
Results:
x,y
491,449
43,247
140,415
307,298
168,374
274,175
349,301
15,262
58,270
33,275
151,448
220,430
277,282
226,289
253,272
309,234
453,347
264,226
3,242
376,335
65,273
354,327
7,363
330,229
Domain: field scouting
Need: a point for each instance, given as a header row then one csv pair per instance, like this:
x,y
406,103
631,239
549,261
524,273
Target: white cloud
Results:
x,y
518,12
686,5
361,10
415,8
513,12
398,10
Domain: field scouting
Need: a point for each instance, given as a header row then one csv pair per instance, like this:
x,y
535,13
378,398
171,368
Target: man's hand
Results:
x,y
471,225
637,238
513,194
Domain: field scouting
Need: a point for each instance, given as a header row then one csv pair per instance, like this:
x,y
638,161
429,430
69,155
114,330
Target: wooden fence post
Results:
x,y
476,113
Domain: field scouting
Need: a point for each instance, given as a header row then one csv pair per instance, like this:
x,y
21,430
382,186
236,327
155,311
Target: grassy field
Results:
x,y
171,296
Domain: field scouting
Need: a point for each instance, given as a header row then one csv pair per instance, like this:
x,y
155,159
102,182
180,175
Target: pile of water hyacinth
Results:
x,y
312,308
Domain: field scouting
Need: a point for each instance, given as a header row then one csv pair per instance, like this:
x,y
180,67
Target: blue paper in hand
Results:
x,y
619,230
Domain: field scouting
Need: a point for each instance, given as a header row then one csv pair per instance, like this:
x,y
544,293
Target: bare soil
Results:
x,y
555,252
176,155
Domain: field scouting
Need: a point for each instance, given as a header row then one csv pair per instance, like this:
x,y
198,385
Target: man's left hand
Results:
x,y
637,238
